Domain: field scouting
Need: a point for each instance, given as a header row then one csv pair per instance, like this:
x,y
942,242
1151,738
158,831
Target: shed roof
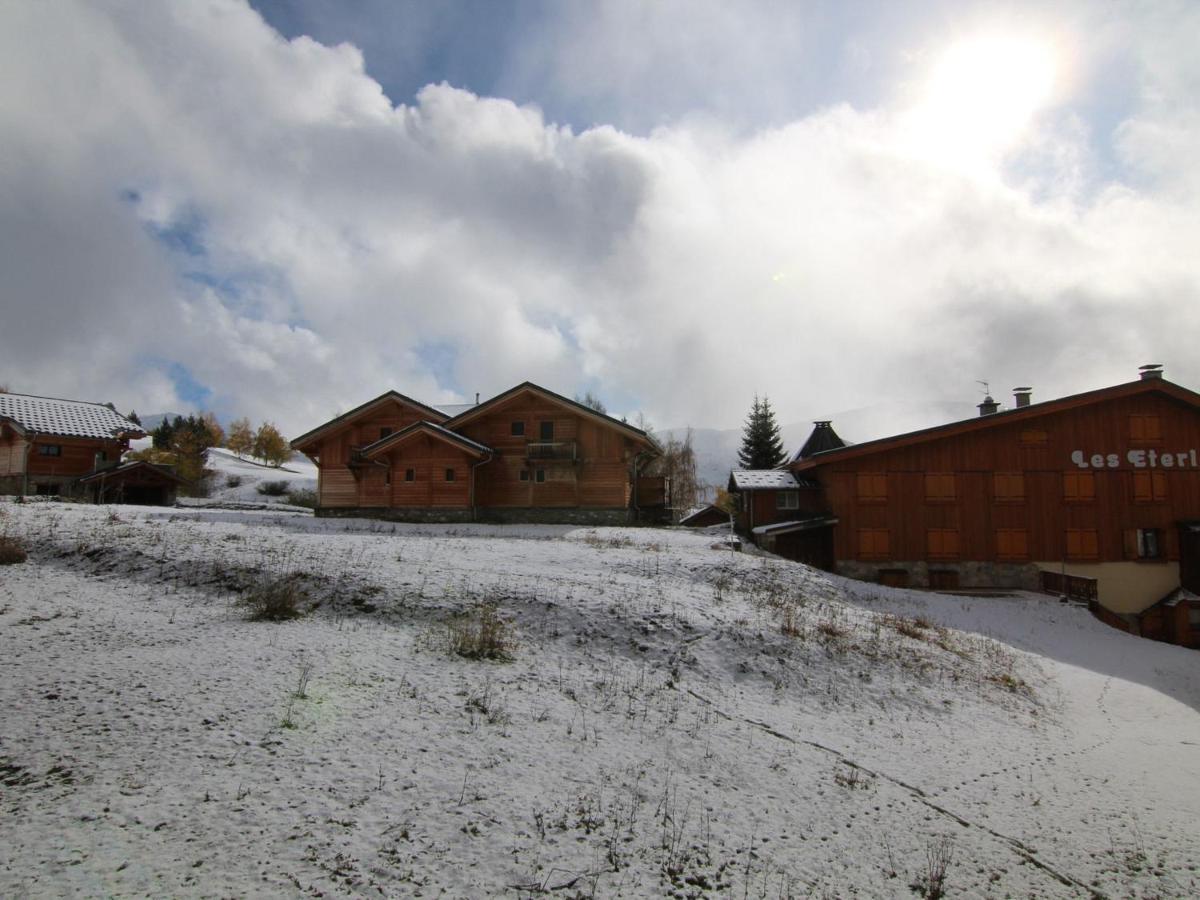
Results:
x,y
127,468
66,418
758,479
796,525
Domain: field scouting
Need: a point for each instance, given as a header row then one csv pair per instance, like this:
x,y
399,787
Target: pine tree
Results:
x,y
762,444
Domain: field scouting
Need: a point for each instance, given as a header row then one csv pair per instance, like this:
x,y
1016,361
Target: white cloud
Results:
x,y
822,261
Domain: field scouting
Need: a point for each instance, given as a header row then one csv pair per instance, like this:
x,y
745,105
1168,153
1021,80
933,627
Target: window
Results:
x,y
49,449
1149,485
1079,487
787,500
1012,543
524,475
942,543
1194,616
1144,428
1149,543
384,431
874,543
1034,437
547,431
940,486
1082,543
1008,487
449,474
540,476
518,429
387,476
410,474
872,487
102,456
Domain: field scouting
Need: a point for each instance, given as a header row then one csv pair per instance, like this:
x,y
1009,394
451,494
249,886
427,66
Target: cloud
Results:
x,y
185,187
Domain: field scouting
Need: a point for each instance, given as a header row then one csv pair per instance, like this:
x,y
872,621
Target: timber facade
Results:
x,y
527,454
1095,496
47,444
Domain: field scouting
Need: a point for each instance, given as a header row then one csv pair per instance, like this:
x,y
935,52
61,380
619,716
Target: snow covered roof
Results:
x,y
65,418
757,479
126,467
796,525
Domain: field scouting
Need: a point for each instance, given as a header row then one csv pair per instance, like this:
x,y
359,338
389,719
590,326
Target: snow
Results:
x,y
750,479
67,418
674,720
237,479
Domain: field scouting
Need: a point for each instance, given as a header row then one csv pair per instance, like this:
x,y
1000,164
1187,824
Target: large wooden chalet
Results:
x,y
1095,495
527,454
47,445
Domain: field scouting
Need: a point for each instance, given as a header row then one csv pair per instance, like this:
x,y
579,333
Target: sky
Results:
x,y
283,209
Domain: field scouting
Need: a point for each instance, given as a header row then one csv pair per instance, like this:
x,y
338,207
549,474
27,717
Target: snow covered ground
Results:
x,y
237,480
674,720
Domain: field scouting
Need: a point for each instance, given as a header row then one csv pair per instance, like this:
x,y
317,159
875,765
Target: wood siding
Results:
x,y
593,471
77,456
337,485
942,499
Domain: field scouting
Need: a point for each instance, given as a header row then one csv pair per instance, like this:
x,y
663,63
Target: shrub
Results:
x,y
481,634
272,488
306,499
276,599
233,481
11,551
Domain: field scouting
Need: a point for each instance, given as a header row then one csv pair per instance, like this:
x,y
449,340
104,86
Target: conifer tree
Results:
x,y
762,444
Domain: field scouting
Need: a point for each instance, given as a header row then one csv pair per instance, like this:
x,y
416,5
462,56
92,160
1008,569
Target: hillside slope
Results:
x,y
673,719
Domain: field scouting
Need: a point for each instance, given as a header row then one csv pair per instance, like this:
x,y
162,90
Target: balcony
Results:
x,y
561,451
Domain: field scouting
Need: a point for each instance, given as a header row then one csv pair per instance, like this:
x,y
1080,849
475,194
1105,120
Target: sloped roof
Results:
x,y
126,468
65,418
823,438
347,418
796,525
574,406
1007,417
758,479
445,434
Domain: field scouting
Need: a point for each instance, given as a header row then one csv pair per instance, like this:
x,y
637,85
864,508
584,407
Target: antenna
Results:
x,y
987,390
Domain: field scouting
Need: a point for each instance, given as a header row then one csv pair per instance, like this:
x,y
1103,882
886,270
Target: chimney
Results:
x,y
1022,396
1151,370
477,398
988,406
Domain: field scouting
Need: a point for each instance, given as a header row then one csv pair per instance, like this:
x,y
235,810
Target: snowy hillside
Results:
x,y
669,719
238,480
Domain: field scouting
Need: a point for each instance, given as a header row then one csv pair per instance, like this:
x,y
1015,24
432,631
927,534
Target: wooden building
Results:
x,y
527,454
136,483
47,444
1095,495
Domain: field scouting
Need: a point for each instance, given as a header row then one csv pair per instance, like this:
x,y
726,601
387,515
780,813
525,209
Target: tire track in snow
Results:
x,y
1016,845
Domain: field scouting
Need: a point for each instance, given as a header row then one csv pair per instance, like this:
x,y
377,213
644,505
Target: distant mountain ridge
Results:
x,y
717,449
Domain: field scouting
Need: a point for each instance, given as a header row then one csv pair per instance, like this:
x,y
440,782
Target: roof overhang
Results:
x,y
426,429
1007,417
635,434
796,525
128,468
346,419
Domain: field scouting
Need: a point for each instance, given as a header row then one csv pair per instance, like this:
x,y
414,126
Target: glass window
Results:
x,y
518,429
541,475
787,500
1149,543
547,431
449,474
524,475
410,474
50,449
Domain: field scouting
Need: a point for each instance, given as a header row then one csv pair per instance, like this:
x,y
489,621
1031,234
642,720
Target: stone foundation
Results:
x,y
501,515
971,574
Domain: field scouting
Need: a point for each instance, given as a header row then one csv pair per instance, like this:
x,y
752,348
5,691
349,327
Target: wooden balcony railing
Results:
x,y
1073,587
553,450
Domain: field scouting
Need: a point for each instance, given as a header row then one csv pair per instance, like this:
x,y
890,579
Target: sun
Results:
x,y
981,94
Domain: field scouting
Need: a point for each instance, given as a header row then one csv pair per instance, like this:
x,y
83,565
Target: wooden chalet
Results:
x,y
135,482
527,454
47,444
1095,495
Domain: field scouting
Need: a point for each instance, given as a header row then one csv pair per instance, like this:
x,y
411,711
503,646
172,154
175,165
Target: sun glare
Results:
x,y
981,95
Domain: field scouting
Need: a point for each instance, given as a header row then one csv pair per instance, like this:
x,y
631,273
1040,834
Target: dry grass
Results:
x,y
481,633
11,551
277,600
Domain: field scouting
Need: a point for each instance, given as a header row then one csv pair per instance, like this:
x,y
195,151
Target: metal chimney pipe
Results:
x,y
1151,370
1022,396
